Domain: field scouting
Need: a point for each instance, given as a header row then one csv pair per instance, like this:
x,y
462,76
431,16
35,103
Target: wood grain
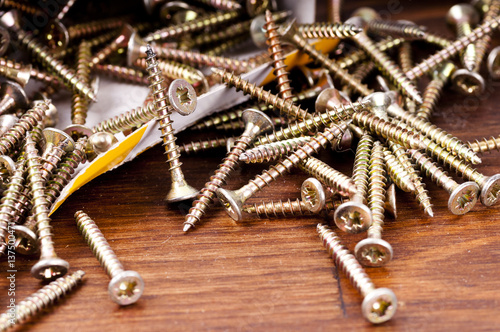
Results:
x,y
262,275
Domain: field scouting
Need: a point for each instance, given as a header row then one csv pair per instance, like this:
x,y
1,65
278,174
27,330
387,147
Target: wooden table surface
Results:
x,y
275,274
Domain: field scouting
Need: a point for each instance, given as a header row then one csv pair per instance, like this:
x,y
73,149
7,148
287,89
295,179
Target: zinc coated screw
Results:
x,y
468,82
463,196
42,299
493,63
203,145
121,41
233,200
126,74
482,45
273,151
398,172
237,124
437,40
79,105
290,33
49,266
397,29
440,136
12,97
56,144
374,251
328,30
485,144
379,304
65,9
125,287
181,98
354,216
226,5
15,71
256,123
128,120
360,73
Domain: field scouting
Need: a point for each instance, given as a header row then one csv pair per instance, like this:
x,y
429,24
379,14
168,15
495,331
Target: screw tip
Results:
x,y
476,160
149,51
429,211
187,227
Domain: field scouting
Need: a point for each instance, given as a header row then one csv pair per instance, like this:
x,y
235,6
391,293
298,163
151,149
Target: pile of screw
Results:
x,y
396,141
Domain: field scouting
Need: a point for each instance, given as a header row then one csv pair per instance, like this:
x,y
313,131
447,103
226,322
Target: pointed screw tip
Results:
x,y
187,227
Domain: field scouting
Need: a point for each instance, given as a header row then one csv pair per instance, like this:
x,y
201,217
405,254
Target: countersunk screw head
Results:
x,y
379,305
10,20
462,13
257,31
367,14
16,92
329,96
490,190
373,252
288,30
182,97
57,36
313,194
51,116
463,198
259,121
257,7
50,268
58,137
26,240
378,101
493,63
353,217
76,131
7,163
136,47
231,201
126,287
468,82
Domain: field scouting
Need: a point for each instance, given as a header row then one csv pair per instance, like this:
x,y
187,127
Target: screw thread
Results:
x,y
133,118
222,4
398,172
285,107
125,74
437,40
67,75
207,194
405,56
485,144
8,208
168,137
174,70
277,55
455,47
46,78
203,145
77,31
360,73
376,190
330,177
328,30
98,244
360,55
273,151
42,299
345,261
433,171
62,175
226,45
22,204
65,9
49,161
388,67
468,57
408,31
22,7
431,96
360,167
482,45
387,130
231,31
443,138
13,137
210,20
278,209
80,105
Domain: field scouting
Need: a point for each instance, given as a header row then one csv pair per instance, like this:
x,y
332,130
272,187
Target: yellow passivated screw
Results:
x,y
125,287
379,304
485,144
273,151
42,299
398,173
203,145
121,41
463,196
56,144
328,30
398,29
233,200
128,120
464,16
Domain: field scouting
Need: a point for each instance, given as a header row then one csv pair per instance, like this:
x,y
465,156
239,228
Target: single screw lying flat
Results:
x,y
273,151
354,216
463,196
233,200
433,90
290,33
485,144
13,97
49,266
379,304
443,138
374,251
256,123
328,30
125,287
42,299
182,98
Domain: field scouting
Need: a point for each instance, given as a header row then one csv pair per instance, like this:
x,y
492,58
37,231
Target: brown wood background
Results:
x,y
275,274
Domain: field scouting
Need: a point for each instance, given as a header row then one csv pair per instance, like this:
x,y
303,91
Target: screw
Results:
x,y
15,71
121,41
354,216
26,239
125,74
374,251
485,144
482,45
398,172
56,143
13,97
290,33
78,31
42,53
226,5
379,304
329,176
65,9
13,137
387,66
128,120
233,200
435,133
181,98
463,196
429,64
22,7
468,82
273,151
397,29
284,106
463,16
277,55
360,73
41,300
256,123
99,143
204,145
205,21
79,105
125,287
328,30
436,40
493,63
49,266
433,91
